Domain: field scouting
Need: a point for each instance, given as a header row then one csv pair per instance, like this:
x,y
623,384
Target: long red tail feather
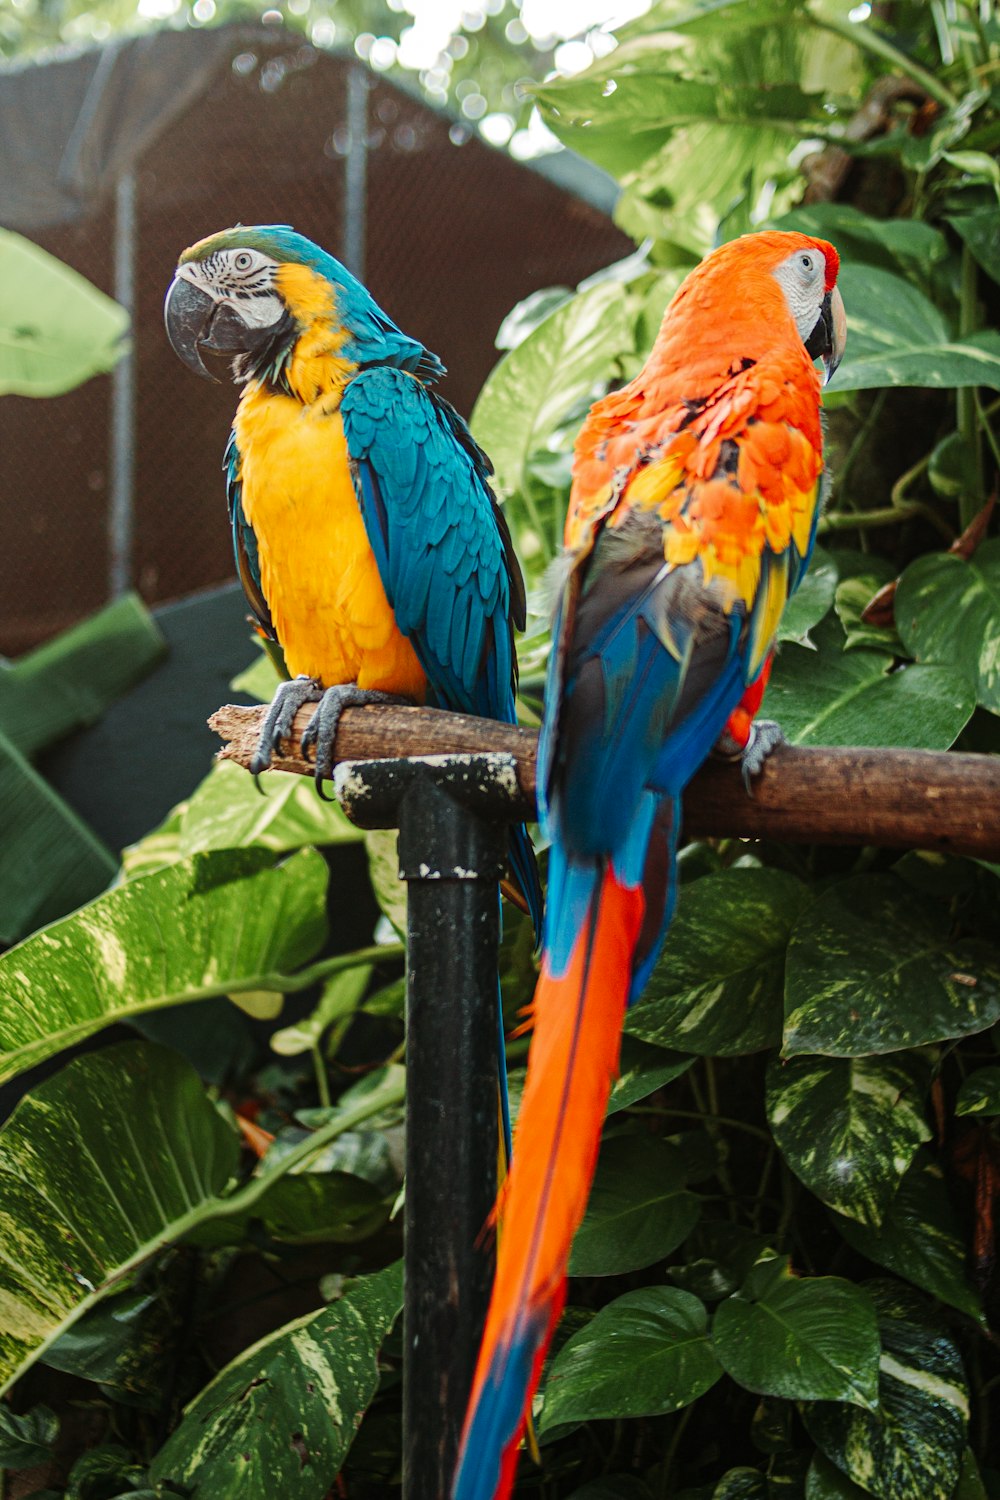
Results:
x,y
571,1066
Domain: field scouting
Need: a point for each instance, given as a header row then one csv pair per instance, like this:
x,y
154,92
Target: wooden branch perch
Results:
x,y
899,799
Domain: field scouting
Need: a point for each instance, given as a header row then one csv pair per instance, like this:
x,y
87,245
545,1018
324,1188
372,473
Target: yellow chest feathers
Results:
x,y
318,572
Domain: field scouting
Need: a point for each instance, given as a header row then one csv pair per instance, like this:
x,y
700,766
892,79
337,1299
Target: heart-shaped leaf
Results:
x,y
835,697
919,1237
848,1127
799,1338
948,612
645,1353
914,1444
873,967
717,987
639,1209
896,336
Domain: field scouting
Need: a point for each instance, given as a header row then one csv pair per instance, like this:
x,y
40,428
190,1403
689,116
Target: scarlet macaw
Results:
x,y
692,517
367,539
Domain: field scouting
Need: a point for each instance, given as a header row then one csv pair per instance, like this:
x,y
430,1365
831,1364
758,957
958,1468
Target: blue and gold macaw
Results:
x,y
367,538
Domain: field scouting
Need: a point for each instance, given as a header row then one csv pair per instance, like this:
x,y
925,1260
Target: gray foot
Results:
x,y
765,736
321,731
281,716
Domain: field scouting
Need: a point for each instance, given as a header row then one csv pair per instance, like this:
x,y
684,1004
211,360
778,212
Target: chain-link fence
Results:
x,y
447,232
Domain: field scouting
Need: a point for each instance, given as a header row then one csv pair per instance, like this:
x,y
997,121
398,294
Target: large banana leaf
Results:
x,y
227,921
280,1419
51,860
71,680
56,330
115,1157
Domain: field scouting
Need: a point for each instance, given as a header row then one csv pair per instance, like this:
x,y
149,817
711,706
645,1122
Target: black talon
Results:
x,y
280,717
321,731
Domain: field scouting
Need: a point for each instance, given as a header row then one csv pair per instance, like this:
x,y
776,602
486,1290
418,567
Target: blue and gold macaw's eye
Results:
x,y
225,303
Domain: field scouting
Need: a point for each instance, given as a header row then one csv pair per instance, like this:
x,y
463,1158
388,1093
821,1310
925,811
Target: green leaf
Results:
x,y
811,600
341,1193
914,1444
383,872
645,1353
217,922
99,1166
108,1472
227,811
919,1237
27,1441
642,1070
979,1094
52,861
896,337
835,697
717,987
261,679
562,365
525,316
124,1342
848,1127
981,232
696,111
861,577
73,679
908,246
873,968
970,1481
948,611
742,1483
824,1481
56,330
799,1339
639,1208
157,849
311,1208
280,1419
342,994
716,1259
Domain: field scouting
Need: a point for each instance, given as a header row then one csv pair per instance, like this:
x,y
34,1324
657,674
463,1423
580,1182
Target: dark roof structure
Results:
x,y
115,160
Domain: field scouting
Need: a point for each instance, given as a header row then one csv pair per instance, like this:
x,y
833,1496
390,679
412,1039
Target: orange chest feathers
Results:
x,y
318,571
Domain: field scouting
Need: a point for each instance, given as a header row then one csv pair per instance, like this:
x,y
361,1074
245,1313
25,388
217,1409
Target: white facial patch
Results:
x,y
242,279
802,278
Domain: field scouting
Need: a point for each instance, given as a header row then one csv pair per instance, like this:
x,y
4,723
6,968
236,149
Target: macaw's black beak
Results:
x,y
829,338
195,321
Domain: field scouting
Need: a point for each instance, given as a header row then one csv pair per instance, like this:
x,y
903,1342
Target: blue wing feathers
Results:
x,y
443,551
429,515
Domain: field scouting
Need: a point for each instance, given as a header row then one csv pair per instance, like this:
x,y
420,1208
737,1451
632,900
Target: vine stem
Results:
x,y
966,396
322,1081
859,439
671,1453
984,413
887,515
313,973
694,1114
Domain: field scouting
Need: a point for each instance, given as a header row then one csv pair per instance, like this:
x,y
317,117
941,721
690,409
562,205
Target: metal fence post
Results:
x,y
121,503
452,813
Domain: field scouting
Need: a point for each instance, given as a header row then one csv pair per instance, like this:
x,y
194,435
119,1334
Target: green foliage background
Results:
x,y
785,1283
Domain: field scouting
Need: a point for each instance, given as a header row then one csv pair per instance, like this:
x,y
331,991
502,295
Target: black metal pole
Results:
x,y
451,813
